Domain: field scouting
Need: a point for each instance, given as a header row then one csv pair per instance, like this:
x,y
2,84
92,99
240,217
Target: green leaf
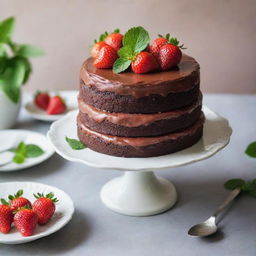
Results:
x,y
252,188
10,197
18,158
33,151
6,29
75,144
20,153
3,201
137,38
121,65
3,49
12,78
234,183
3,64
19,193
26,50
126,52
251,149
21,149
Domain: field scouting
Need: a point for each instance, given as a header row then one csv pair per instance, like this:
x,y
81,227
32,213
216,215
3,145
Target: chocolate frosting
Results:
x,y
182,78
143,141
134,120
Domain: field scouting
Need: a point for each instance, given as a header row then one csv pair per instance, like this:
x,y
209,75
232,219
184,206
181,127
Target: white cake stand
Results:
x,y
139,192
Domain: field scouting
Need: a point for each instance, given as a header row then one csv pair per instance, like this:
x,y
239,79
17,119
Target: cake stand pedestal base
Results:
x,y
139,194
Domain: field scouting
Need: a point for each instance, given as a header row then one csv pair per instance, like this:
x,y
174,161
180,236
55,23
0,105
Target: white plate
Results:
x,y
70,98
215,137
62,215
11,138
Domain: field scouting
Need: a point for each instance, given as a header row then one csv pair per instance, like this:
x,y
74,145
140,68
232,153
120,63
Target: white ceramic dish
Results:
x,y
63,214
70,98
139,192
11,138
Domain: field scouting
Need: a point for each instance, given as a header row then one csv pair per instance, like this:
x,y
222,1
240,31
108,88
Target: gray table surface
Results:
x,y
96,231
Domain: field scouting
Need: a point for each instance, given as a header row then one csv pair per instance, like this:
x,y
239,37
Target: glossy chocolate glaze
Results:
x,y
134,120
182,78
142,141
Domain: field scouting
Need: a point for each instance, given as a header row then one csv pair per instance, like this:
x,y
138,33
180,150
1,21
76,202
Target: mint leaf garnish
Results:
x,y
75,144
20,153
18,158
248,187
126,52
121,65
251,149
33,151
234,183
135,40
23,151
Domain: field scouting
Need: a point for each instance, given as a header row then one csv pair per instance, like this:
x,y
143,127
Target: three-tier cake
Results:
x,y
140,115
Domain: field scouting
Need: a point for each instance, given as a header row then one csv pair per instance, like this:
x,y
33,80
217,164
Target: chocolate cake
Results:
x,y
140,115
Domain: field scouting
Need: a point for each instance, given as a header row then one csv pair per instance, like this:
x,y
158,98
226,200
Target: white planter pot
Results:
x,y
9,112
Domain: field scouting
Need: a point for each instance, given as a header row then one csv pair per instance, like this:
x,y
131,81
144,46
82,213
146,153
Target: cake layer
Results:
x,y
142,146
181,79
135,125
111,102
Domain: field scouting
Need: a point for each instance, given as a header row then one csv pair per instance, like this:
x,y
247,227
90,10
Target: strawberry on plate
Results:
x,y
44,206
115,39
6,218
25,220
56,106
106,57
144,62
42,99
17,201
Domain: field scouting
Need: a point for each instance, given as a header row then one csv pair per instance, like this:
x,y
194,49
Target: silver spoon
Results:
x,y
209,226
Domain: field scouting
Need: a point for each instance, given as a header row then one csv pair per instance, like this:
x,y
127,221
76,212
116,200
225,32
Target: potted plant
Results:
x,y
15,70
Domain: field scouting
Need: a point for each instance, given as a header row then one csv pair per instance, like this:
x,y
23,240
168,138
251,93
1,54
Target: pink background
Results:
x,y
220,34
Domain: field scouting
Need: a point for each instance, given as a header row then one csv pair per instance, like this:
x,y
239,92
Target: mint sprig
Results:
x,y
23,151
248,187
251,149
135,40
75,144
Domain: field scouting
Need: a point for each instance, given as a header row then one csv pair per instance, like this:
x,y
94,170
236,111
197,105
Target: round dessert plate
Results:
x,y
11,138
216,135
62,215
70,98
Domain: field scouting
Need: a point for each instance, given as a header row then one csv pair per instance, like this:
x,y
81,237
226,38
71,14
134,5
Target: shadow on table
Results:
x,y
53,164
32,125
73,234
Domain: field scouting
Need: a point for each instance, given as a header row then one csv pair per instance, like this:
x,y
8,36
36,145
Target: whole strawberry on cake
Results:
x,y
139,99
